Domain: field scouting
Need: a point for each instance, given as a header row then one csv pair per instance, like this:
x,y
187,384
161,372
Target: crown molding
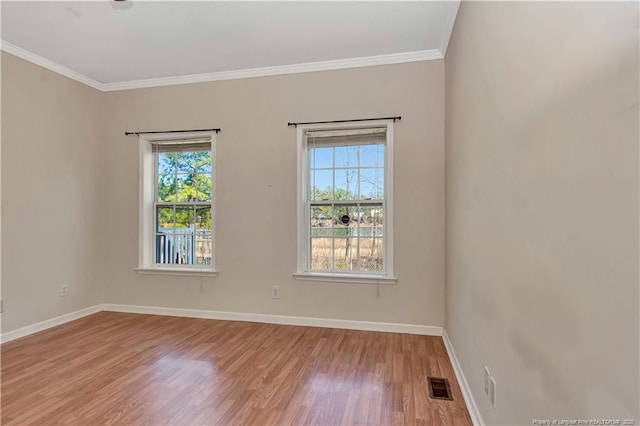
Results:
x,y
449,22
367,61
50,65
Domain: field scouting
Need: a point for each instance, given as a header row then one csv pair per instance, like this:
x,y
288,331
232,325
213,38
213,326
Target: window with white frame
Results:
x,y
345,200
176,206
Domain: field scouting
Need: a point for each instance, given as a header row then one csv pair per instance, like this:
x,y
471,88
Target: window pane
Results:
x,y
321,185
203,235
203,250
356,221
345,212
371,254
203,162
185,189
321,250
184,217
378,220
175,249
183,239
372,155
166,188
203,187
345,254
342,231
164,252
347,156
345,220
321,221
321,157
202,218
183,246
371,184
186,162
166,163
371,223
164,219
346,184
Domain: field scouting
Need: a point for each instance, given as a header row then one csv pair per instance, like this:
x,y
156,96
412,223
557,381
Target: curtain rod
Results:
x,y
346,121
171,131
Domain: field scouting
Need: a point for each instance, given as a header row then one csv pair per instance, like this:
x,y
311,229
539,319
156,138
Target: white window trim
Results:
x,y
345,278
146,196
183,272
303,272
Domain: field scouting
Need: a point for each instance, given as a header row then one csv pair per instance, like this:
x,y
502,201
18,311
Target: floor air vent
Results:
x,y
439,388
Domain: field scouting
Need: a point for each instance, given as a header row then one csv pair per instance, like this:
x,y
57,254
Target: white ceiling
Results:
x,y
112,45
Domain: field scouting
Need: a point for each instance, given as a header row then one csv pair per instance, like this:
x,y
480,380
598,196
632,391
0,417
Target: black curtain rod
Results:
x,y
171,131
346,121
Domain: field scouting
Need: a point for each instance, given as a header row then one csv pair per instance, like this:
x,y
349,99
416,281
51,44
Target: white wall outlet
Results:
x,y
275,292
64,290
492,391
487,378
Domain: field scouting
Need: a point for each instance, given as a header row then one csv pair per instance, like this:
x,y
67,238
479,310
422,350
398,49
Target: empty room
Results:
x,y
319,213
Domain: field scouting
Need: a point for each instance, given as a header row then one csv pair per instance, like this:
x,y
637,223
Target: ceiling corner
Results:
x,y
5,46
448,26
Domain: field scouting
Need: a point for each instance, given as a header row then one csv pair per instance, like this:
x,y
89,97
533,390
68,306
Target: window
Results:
x,y
176,205
345,202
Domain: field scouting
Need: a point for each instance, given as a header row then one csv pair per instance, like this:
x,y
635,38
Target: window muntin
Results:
x,y
345,201
183,202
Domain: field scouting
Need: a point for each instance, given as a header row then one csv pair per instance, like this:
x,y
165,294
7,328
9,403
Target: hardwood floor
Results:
x,y
114,368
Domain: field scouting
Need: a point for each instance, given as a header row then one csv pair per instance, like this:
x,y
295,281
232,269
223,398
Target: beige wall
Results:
x,y
257,188
53,217
542,207
1,187
256,202
70,192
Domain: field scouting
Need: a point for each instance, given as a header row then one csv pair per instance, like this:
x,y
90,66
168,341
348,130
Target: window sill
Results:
x,y
177,271
345,278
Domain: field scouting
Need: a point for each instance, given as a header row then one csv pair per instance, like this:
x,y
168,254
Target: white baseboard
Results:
x,y
40,326
426,330
278,319
476,418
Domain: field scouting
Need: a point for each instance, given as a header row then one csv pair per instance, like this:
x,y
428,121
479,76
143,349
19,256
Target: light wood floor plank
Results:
x,y
128,369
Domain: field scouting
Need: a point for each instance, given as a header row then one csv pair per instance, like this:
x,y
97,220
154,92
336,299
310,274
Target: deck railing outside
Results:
x,y
183,246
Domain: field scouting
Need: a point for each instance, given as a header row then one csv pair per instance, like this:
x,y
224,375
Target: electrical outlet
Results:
x,y
64,290
275,292
487,378
492,391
